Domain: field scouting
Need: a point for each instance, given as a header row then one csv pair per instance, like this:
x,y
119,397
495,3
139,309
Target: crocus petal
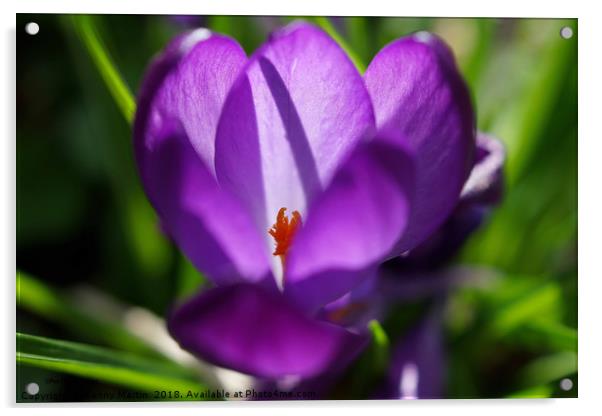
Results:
x,y
418,92
352,226
486,181
258,332
297,110
357,308
208,224
482,190
417,364
195,87
444,243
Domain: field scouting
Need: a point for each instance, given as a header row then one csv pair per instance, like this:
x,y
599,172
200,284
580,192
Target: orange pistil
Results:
x,y
284,230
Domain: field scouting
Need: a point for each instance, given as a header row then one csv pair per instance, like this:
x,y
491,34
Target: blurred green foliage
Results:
x,y
82,217
103,364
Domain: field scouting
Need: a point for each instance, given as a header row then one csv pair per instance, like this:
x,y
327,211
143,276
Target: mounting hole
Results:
x,y
32,28
32,389
566,384
566,32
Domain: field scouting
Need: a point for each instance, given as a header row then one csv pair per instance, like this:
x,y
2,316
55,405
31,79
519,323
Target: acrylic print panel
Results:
x,y
286,208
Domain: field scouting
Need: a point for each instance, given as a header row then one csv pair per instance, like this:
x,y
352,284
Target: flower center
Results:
x,y
283,231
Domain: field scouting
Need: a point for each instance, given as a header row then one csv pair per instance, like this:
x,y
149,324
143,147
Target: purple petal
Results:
x,y
418,93
297,110
195,86
482,190
417,364
208,225
352,226
440,247
258,332
357,308
486,181
412,286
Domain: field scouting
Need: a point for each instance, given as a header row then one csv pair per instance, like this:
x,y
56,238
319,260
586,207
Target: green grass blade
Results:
x,y
102,364
526,308
90,37
473,69
539,392
360,37
554,335
522,126
548,369
36,297
380,344
189,279
327,26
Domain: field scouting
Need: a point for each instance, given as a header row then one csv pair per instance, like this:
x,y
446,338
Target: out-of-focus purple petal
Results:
x,y
418,93
357,308
258,332
352,226
209,225
417,368
297,110
415,285
444,243
194,88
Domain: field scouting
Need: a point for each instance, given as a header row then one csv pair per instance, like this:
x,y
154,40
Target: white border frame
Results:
x,y
589,197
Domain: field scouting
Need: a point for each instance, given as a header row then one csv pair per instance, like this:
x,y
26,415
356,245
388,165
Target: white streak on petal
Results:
x,y
423,36
193,38
408,385
485,171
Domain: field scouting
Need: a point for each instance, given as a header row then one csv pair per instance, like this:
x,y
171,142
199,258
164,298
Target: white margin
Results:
x,y
590,194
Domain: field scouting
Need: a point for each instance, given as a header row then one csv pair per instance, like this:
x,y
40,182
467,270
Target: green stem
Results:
x,y
325,24
381,344
89,35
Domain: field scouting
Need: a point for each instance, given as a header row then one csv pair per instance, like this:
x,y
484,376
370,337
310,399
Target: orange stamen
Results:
x,y
284,230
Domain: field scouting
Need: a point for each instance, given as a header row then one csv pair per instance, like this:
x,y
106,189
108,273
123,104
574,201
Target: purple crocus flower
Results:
x,y
417,368
288,178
